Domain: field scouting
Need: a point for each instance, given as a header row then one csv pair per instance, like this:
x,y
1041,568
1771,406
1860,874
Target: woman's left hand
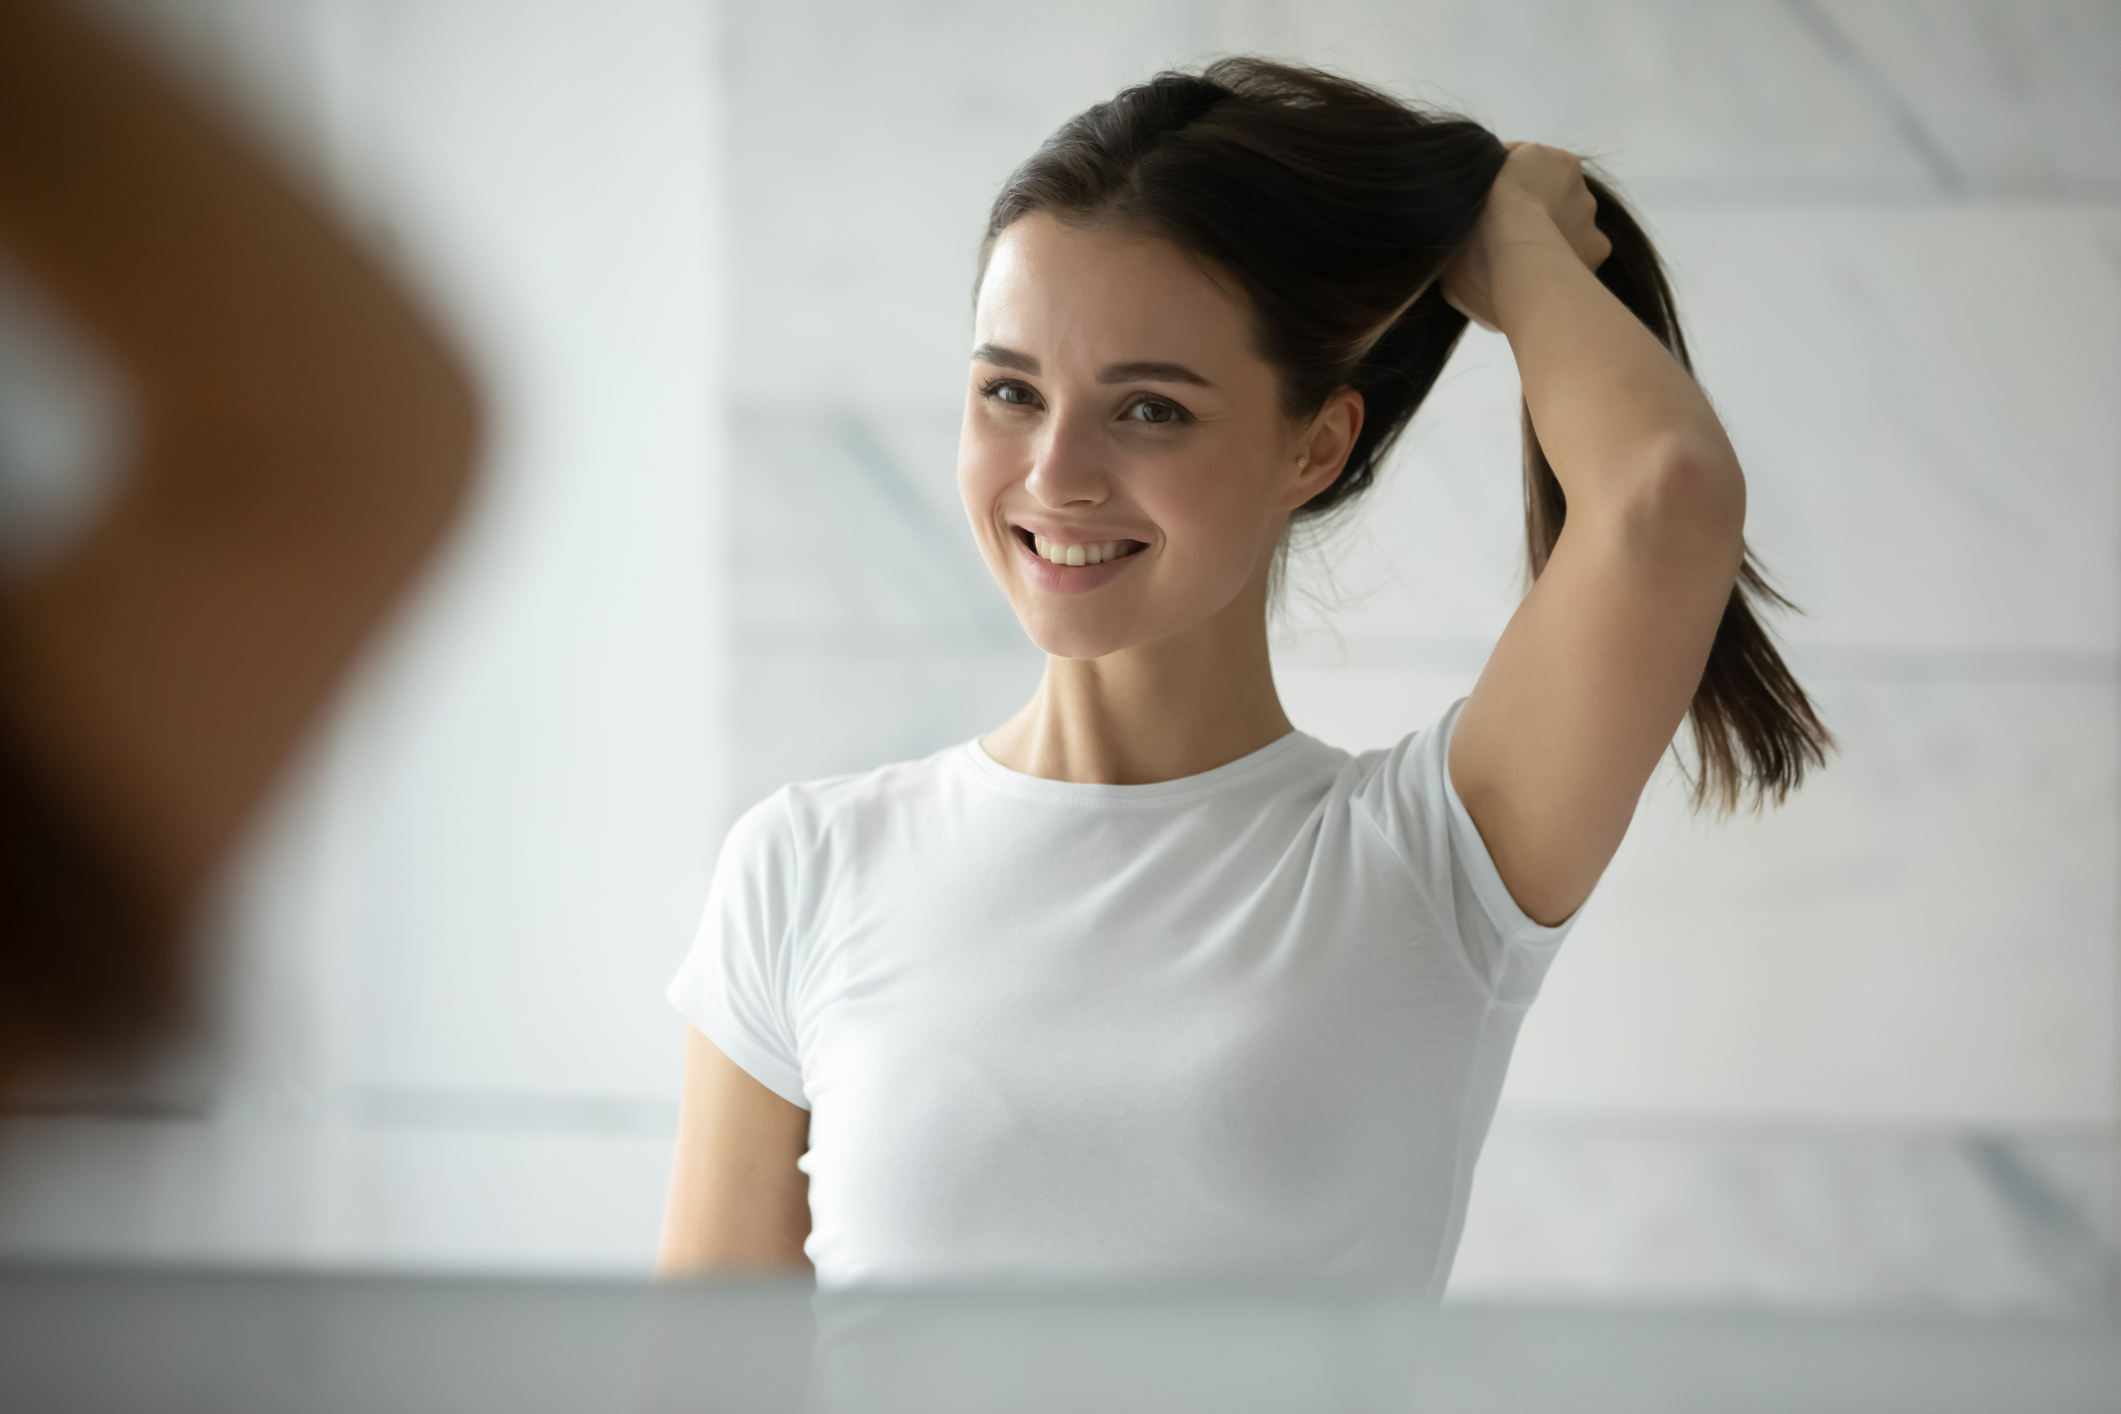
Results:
x,y
1539,190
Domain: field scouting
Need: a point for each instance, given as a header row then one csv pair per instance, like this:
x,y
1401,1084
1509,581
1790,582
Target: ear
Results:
x,y
1322,447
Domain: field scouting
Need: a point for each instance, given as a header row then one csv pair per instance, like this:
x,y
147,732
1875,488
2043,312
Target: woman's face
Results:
x,y
1125,461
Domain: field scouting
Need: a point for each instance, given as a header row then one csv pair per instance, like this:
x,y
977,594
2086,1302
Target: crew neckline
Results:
x,y
994,773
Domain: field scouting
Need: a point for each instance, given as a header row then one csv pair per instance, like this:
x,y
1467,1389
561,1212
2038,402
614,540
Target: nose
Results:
x,y
1067,469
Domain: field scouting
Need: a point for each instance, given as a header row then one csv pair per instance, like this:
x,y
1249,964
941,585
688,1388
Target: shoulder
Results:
x,y
785,855
1420,759
1404,792
809,813
883,787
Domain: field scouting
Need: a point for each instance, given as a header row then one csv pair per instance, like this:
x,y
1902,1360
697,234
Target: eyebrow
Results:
x,y
1152,373
1005,358
1140,372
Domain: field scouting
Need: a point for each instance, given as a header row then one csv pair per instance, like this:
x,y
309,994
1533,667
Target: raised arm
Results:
x,y
1599,665
299,440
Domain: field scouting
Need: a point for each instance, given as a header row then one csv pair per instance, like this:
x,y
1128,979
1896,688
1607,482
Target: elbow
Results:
x,y
391,467
394,458
360,456
1688,507
445,423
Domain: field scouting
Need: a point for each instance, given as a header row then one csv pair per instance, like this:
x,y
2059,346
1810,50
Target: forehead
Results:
x,y
1102,292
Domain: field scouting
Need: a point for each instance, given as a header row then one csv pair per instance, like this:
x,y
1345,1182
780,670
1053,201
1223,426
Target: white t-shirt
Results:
x,y
1251,1021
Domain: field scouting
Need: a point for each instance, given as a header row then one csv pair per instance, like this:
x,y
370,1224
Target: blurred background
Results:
x,y
713,262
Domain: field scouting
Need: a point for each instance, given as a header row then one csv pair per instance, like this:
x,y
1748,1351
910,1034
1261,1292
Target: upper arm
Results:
x,y
1593,676
737,1199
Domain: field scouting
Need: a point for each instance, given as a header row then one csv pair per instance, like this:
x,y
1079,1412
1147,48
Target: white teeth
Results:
x,y
1059,554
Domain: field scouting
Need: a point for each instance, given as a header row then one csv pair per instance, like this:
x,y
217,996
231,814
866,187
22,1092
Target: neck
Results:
x,y
1154,712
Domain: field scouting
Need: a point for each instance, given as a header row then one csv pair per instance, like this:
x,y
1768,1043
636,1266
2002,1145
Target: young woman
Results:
x,y
1145,981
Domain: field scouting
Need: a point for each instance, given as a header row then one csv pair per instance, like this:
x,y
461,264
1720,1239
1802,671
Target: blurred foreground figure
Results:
x,y
298,439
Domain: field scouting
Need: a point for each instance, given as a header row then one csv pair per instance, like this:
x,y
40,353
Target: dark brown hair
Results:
x,y
1337,207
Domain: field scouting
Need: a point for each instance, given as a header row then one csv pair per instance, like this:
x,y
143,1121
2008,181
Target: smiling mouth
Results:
x,y
1091,553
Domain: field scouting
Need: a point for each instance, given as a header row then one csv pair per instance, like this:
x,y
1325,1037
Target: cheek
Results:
x,y
1218,506
982,472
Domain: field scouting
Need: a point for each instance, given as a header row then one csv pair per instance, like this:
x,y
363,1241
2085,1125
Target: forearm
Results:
x,y
1622,422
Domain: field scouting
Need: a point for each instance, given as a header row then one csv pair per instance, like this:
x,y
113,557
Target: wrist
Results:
x,y
1514,219
1524,254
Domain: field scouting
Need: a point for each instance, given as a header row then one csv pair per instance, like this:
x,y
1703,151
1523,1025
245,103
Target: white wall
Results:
x,y
444,1040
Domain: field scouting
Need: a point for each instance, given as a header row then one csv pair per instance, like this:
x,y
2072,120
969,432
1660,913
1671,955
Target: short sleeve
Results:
x,y
1408,791
734,983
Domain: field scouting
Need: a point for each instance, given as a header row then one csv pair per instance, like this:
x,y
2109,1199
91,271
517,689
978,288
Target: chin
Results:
x,y
1065,626
1069,627
1063,636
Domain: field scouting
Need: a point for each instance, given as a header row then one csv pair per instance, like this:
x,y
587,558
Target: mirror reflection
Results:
x,y
1416,665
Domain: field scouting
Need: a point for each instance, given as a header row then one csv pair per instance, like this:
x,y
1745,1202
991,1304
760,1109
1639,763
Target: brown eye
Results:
x,y
1153,412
